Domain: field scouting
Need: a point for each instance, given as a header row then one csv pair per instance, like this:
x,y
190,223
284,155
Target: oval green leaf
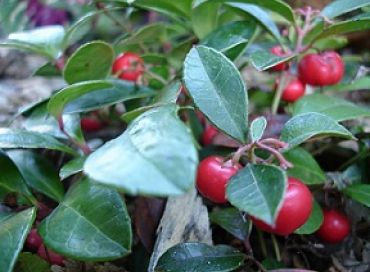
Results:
x,y
231,220
90,224
340,7
314,221
154,156
29,139
13,234
305,167
38,172
231,39
359,192
264,59
218,90
257,128
307,125
91,61
28,262
258,190
72,167
200,257
334,107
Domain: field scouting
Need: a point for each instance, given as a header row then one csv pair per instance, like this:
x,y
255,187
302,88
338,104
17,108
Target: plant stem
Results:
x,y
283,162
276,247
101,6
157,77
262,243
282,83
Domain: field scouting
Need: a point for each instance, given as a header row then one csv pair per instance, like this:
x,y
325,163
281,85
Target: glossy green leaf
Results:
x,y
38,172
47,70
261,16
11,180
72,167
170,8
334,107
231,220
277,6
28,262
340,7
40,121
258,190
257,128
154,156
305,167
314,221
332,42
200,257
90,224
169,94
361,83
91,61
24,46
13,233
359,192
48,38
264,59
232,38
91,95
218,90
28,139
204,19
147,34
307,125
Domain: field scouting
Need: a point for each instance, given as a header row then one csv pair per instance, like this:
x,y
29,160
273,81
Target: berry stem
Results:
x,y
283,162
282,83
276,247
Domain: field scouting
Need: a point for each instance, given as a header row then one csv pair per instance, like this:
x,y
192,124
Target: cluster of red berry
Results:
x,y
214,174
321,70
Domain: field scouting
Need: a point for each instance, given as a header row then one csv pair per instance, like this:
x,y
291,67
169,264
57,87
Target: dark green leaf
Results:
x,y
307,125
173,9
263,60
48,38
232,38
334,107
257,128
11,179
90,224
13,233
204,19
27,139
169,94
260,16
332,42
156,149
218,90
24,46
28,262
359,192
361,83
277,6
200,257
72,167
232,220
38,172
305,167
258,190
48,70
340,7
91,61
314,221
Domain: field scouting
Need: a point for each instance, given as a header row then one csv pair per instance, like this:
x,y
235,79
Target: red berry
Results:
x,y
321,69
278,51
128,66
293,91
213,176
295,211
50,256
33,240
89,124
208,134
335,226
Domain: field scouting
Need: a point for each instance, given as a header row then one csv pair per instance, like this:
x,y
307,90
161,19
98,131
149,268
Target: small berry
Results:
x,y
335,227
128,66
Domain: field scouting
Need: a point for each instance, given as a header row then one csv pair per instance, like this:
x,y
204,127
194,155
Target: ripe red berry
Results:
x,y
278,51
293,90
50,256
335,227
33,240
321,69
208,134
89,124
128,66
213,176
295,211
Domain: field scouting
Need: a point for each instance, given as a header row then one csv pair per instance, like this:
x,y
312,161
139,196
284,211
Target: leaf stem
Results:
x,y
276,247
279,91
